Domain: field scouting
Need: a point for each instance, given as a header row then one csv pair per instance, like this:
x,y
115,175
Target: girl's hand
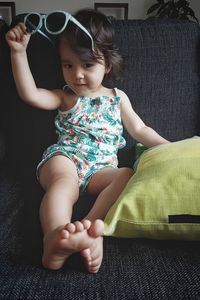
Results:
x,y
17,38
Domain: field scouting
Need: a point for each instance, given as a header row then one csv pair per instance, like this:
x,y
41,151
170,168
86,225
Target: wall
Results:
x,y
137,8
195,5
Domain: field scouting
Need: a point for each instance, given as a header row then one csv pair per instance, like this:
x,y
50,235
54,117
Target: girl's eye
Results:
x,y
88,65
67,66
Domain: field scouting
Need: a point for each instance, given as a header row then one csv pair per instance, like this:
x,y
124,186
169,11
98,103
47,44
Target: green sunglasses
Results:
x,y
54,23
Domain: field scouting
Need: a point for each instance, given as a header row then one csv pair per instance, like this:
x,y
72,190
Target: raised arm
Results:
x,y
136,127
18,39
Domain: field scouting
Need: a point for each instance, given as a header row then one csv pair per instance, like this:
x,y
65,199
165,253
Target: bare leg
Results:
x,y
108,185
62,238
59,179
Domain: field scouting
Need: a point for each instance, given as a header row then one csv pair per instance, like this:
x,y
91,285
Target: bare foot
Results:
x,y
62,242
93,255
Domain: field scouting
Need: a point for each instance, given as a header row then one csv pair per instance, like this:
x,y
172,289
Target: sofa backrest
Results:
x,y
161,79
162,76
27,130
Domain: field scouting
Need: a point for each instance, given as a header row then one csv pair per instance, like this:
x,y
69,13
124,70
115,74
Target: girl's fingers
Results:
x,y
23,28
17,33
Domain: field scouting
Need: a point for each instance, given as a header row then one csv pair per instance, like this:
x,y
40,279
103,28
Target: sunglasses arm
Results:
x,y
72,19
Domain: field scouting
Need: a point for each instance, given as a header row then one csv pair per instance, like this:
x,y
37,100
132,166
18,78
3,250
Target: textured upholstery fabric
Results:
x,y
162,73
131,269
3,29
162,81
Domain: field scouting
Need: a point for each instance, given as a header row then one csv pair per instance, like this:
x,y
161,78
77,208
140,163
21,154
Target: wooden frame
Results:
x,y
115,10
7,11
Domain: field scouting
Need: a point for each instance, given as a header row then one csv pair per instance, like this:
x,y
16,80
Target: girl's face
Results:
x,y
83,77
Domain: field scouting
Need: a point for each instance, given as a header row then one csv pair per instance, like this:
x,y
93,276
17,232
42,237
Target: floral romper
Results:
x,y
90,134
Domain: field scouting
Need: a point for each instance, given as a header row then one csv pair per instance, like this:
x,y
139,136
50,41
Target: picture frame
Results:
x,y
7,11
113,10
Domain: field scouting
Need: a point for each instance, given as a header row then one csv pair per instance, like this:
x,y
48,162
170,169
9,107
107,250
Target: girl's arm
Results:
x,y
18,39
136,127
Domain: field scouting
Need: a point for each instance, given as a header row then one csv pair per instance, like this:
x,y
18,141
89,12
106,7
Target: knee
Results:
x,y
123,175
65,187
65,180
62,180
126,172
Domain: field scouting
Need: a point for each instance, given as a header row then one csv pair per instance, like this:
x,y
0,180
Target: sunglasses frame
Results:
x,y
43,18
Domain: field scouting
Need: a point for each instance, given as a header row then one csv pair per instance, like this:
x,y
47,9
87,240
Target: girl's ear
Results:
x,y
108,69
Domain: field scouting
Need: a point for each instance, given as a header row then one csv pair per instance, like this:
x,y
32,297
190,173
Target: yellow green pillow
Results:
x,y
162,199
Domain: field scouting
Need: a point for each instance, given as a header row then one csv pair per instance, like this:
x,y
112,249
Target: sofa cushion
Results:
x,y
162,199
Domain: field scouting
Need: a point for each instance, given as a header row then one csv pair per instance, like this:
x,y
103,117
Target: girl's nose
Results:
x,y
79,74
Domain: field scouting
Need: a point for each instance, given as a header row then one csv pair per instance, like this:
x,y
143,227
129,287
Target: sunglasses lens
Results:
x,y
32,21
55,21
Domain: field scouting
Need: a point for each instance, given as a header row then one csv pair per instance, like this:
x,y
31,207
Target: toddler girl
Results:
x,y
89,127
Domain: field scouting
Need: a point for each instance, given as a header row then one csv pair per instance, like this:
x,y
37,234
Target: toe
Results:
x,y
79,226
64,234
70,227
86,224
96,229
93,266
86,254
93,269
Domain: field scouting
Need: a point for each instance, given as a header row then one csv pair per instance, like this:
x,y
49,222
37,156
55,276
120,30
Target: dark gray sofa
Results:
x,y
162,79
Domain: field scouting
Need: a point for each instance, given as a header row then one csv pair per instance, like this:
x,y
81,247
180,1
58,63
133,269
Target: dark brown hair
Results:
x,y
102,32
